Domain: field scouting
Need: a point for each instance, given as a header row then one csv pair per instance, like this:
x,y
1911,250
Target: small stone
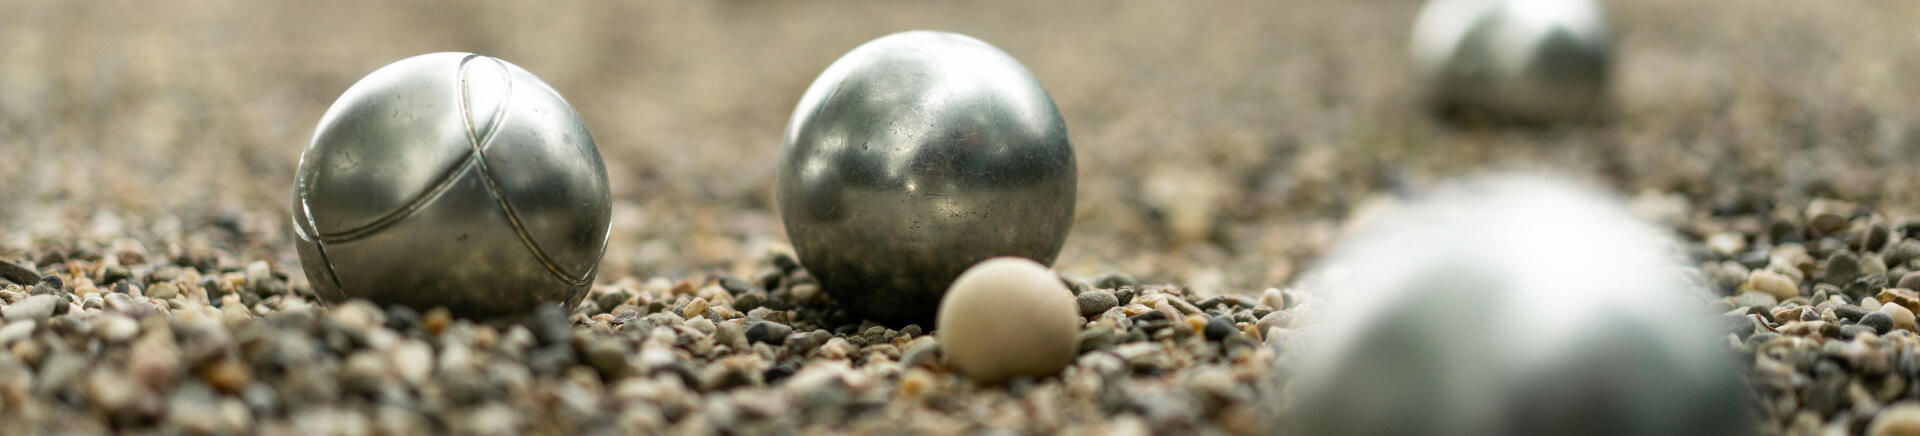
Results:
x,y
228,375
163,290
1850,312
1902,317
1096,301
1909,281
16,330
18,273
1772,283
770,332
1008,317
259,277
1113,281
1896,420
695,308
435,320
115,328
1755,300
1098,337
1840,269
1124,294
1904,297
1880,321
836,348
1219,328
1727,244
1277,319
37,307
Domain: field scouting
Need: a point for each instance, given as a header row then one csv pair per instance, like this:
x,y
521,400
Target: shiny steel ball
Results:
x,y
914,157
1512,305
1523,60
456,180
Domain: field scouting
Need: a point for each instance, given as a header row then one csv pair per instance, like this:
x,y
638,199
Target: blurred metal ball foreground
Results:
x,y
914,157
1522,60
1512,306
452,179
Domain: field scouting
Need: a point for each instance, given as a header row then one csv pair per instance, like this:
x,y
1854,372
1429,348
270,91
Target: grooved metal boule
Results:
x,y
456,180
1512,305
1535,61
914,157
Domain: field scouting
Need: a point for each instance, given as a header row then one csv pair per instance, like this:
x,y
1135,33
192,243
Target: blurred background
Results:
x,y
1220,144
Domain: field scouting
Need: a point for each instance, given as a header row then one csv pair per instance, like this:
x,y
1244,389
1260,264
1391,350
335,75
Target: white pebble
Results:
x,y
1008,317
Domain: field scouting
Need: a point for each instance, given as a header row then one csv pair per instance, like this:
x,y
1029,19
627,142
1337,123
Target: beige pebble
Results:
x,y
1773,283
1902,318
1900,419
1008,317
695,308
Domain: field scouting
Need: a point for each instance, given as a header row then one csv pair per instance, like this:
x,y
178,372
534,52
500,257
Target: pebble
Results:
x,y
18,273
1096,301
1902,317
16,330
1898,420
1881,322
163,290
1841,269
769,332
1772,283
37,307
1006,318
1910,281
1219,328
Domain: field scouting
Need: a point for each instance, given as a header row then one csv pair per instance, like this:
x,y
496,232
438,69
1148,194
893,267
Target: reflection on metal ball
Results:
x,y
1522,60
918,155
456,180
1509,306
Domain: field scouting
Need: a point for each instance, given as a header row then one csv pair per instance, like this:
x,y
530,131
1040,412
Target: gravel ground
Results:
x,y
146,155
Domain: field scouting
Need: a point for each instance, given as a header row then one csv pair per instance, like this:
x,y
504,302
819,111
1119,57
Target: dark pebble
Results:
x,y
1151,315
1124,294
1113,281
770,332
1219,328
778,371
736,285
1880,321
402,318
1851,312
1866,285
1848,332
18,273
785,262
550,326
1841,268
1910,281
749,301
1217,300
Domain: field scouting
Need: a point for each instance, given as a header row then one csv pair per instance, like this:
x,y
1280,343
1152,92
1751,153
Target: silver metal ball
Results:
x,y
456,180
1523,60
1508,306
918,155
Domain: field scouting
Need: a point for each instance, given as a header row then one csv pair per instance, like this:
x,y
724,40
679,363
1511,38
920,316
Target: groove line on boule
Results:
x,y
479,142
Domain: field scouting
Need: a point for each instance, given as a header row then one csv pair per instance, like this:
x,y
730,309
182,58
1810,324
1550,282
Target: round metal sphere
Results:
x,y
1523,60
456,180
1512,306
918,155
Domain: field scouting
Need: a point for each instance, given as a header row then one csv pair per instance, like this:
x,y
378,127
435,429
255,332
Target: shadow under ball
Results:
x,y
914,157
456,180
1534,61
